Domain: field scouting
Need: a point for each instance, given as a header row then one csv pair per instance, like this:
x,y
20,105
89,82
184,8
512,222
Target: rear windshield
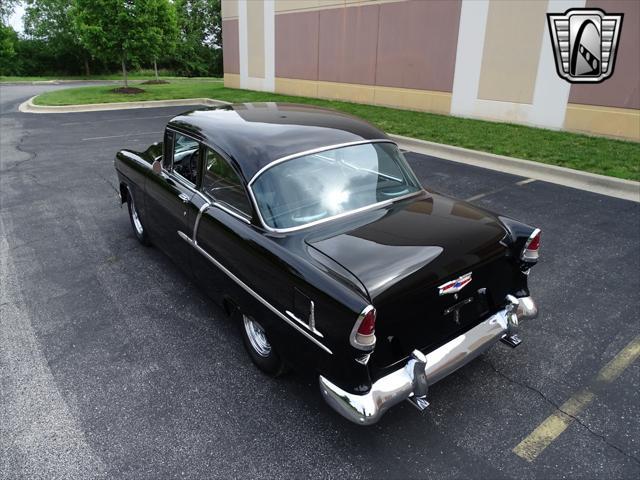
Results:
x,y
322,185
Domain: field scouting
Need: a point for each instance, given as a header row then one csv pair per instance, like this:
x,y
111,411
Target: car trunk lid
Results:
x,y
404,252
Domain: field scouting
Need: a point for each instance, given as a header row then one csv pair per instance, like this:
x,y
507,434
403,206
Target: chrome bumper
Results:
x,y
412,381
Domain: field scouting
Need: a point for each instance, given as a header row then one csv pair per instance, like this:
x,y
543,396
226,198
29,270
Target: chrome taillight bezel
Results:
x,y
355,336
527,255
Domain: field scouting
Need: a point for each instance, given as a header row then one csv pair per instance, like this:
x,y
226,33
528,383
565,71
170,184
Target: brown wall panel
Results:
x,y
417,44
348,40
231,46
297,45
623,88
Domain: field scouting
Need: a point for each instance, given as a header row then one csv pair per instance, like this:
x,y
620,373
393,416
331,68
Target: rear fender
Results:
x,y
124,193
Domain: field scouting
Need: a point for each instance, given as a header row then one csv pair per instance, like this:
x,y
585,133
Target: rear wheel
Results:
x,y
257,343
136,222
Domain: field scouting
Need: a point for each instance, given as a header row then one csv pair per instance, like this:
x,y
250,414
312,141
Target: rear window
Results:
x,y
322,185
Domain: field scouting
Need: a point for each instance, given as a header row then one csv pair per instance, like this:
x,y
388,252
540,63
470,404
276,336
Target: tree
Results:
x,y
52,22
199,51
6,9
130,30
8,41
165,43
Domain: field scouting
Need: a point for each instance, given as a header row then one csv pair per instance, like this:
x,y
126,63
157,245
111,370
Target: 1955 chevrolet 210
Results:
x,y
309,227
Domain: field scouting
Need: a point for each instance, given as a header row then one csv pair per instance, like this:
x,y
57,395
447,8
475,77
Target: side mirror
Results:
x,y
156,167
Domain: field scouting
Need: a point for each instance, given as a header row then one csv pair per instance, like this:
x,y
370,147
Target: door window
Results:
x,y
221,183
185,157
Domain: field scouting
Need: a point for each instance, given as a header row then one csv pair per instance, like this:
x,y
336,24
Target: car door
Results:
x,y
235,264
222,226
170,197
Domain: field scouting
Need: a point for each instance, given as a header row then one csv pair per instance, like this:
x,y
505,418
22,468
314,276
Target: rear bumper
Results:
x,y
412,381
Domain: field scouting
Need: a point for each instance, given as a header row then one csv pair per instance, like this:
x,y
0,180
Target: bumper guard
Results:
x,y
411,382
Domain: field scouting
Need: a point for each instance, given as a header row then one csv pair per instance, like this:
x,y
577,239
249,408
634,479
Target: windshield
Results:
x,y
325,184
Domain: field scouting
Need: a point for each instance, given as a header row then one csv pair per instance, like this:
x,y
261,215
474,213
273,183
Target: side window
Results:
x,y
185,157
221,183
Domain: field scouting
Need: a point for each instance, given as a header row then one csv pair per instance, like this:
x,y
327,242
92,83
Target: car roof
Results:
x,y
257,134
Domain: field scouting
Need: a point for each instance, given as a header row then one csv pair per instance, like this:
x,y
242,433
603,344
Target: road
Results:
x,y
113,364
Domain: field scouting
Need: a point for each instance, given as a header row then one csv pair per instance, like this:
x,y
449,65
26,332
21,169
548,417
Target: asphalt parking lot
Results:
x,y
114,364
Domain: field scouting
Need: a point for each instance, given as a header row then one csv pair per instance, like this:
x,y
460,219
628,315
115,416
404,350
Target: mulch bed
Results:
x,y
127,90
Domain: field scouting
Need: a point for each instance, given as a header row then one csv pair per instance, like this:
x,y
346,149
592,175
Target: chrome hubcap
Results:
x,y
137,224
257,336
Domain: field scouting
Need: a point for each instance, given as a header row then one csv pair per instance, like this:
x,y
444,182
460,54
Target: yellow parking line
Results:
x,y
622,360
554,425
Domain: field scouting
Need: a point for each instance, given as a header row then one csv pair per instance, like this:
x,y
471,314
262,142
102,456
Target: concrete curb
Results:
x,y
30,107
63,82
591,182
105,81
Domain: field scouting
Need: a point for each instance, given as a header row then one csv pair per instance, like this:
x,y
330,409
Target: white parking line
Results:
x,y
119,136
115,120
524,182
481,195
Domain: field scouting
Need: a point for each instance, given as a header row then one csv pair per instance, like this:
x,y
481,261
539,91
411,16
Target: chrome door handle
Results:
x,y
184,197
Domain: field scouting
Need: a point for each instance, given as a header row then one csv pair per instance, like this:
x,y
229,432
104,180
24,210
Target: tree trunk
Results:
x,y
155,68
87,71
124,71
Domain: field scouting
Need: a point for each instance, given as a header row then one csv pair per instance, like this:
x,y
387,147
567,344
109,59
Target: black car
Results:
x,y
309,227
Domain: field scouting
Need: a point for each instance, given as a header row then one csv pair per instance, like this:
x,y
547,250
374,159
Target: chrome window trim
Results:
x,y
192,186
228,209
179,178
200,143
333,217
312,151
208,201
172,173
373,206
222,205
185,183
251,292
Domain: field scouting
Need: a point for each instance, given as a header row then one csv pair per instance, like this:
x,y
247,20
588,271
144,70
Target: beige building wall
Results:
x,y
255,38
512,50
489,59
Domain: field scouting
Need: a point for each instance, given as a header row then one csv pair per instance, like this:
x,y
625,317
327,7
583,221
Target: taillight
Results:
x,y
363,333
530,251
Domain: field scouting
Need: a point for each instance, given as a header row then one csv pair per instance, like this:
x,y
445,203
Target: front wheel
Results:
x,y
136,223
260,349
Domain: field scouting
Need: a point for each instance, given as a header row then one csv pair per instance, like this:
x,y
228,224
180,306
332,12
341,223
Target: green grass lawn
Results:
x,y
615,158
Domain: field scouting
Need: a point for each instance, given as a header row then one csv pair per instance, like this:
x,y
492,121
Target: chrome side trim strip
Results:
x,y
310,327
251,292
197,222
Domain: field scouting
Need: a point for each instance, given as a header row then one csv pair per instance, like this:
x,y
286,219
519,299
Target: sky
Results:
x,y
15,20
